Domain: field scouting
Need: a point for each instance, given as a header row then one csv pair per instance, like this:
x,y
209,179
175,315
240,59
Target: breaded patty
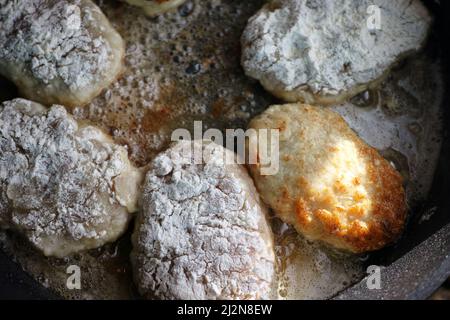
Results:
x,y
323,52
202,232
155,7
58,51
331,185
64,185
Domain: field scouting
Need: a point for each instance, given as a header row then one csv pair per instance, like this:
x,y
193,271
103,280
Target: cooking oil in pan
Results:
x,y
307,270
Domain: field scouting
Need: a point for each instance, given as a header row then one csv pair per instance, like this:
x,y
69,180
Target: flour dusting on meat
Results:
x,y
58,51
66,186
202,232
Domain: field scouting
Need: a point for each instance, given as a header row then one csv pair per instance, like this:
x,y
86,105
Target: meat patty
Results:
x,y
323,52
203,231
64,185
331,185
58,51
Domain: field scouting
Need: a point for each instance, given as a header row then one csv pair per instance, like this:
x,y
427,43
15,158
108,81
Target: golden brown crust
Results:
x,y
331,185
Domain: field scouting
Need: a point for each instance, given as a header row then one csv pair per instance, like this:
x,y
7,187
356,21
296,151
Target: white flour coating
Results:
x,y
320,51
58,51
155,7
66,186
202,232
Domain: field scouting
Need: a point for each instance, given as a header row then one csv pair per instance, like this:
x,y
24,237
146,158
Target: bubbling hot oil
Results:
x,y
307,270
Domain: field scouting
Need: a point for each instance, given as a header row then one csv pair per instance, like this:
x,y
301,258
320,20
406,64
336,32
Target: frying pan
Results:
x,y
412,269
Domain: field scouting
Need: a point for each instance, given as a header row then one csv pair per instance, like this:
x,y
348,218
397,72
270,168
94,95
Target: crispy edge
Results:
x,y
387,213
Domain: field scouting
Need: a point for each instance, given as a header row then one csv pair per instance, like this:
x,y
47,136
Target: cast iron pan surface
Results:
x,y
412,269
